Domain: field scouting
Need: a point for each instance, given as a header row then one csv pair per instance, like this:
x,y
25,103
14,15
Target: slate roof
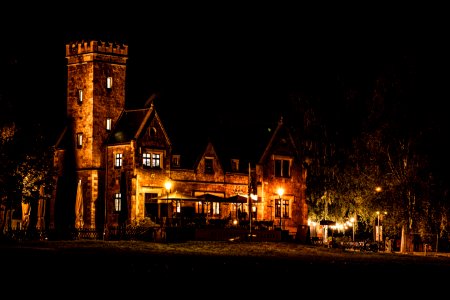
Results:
x,y
128,125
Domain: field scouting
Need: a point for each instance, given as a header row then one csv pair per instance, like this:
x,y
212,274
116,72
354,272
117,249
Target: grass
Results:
x,y
195,262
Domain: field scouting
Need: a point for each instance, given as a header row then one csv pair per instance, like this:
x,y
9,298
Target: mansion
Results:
x,y
118,167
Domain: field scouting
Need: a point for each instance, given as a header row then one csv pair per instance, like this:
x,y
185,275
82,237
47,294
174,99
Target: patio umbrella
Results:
x,y
214,198
177,196
210,198
237,199
79,207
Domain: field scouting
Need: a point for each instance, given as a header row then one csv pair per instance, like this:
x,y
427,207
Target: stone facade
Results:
x,y
124,165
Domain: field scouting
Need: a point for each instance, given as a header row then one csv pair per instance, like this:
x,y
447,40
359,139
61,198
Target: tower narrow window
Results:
x,y
109,82
108,124
118,161
80,96
79,140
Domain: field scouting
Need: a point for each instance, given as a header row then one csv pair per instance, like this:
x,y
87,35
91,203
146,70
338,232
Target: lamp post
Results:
x,y
280,193
352,220
378,226
378,189
379,233
168,186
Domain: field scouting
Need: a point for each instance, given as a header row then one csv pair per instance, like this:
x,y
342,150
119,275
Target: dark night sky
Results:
x,y
240,64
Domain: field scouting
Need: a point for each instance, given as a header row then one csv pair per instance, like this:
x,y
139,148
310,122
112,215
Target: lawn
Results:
x,y
216,263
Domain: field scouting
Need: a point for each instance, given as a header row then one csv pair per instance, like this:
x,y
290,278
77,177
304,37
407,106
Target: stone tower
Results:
x,y
95,100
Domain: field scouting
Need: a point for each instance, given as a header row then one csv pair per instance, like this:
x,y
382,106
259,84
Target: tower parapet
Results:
x,y
83,47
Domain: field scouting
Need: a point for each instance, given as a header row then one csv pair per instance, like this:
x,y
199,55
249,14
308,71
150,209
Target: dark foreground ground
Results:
x,y
222,268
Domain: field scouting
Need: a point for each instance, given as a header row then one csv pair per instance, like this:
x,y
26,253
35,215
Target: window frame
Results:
x,y
118,160
79,138
234,165
209,165
176,160
278,206
285,208
215,207
146,160
109,82
280,164
79,96
154,159
117,202
108,123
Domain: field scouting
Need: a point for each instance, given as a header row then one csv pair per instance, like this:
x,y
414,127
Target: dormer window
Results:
x,y
175,160
209,165
235,165
109,83
108,124
79,140
80,96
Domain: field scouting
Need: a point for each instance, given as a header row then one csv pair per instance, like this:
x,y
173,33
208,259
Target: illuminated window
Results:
x,y
117,202
146,161
80,96
178,208
282,168
108,123
216,208
118,161
156,160
79,140
209,163
151,160
278,208
109,82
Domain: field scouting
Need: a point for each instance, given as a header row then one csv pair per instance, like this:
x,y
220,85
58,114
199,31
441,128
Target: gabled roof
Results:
x,y
209,150
132,123
280,132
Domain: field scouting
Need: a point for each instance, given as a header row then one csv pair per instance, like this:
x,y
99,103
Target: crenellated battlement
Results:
x,y
82,47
